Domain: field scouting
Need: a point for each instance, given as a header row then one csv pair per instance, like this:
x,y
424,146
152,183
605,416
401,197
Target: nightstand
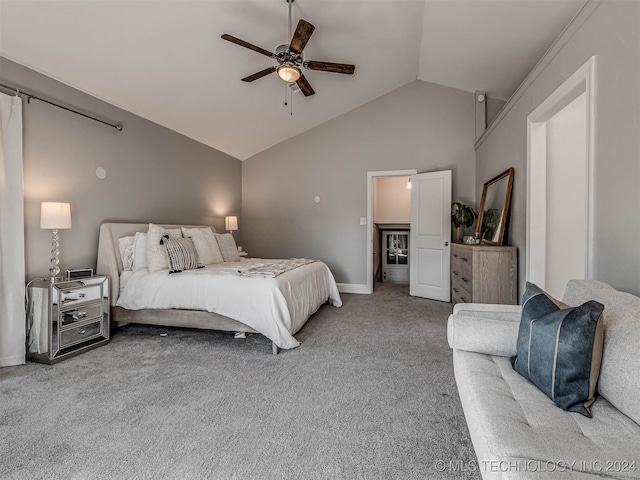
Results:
x,y
66,318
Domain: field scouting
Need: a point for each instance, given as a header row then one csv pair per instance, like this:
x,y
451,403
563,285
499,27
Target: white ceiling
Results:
x,y
165,61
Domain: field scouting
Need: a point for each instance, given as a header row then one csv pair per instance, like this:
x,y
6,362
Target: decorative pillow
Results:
x,y
140,251
228,247
125,245
560,349
180,252
206,244
156,254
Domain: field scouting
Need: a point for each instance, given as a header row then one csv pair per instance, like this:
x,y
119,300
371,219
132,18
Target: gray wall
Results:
x,y
421,125
153,174
610,33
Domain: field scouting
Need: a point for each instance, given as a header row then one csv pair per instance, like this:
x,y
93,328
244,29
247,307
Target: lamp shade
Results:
x,y
231,223
55,215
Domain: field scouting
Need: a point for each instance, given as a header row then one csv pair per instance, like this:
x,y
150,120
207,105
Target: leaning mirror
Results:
x,y
494,207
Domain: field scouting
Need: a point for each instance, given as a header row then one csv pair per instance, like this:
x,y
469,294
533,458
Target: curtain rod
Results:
x,y
35,97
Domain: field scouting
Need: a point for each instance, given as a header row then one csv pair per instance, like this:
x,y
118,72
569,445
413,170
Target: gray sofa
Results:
x,y
517,431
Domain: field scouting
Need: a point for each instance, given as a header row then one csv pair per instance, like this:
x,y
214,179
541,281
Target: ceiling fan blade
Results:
x,y
260,74
248,45
304,86
331,67
301,37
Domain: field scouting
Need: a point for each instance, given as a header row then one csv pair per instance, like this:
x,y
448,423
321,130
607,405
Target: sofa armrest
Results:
x,y
483,328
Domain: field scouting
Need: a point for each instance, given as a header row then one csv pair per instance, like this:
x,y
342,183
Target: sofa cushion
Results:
x,y
560,349
619,379
519,433
484,332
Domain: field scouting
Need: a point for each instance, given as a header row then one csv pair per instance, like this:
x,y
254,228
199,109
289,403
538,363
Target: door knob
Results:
x,y
446,244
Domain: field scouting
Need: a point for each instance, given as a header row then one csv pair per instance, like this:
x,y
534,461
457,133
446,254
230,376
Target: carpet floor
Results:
x,y
369,394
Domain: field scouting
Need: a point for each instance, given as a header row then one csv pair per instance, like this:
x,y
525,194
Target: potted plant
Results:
x,y
490,222
462,216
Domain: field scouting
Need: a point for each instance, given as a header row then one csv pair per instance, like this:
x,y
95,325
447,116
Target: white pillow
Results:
x,y
156,254
140,251
205,243
228,247
125,245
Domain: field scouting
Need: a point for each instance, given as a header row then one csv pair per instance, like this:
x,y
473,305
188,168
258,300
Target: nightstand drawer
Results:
x,y
77,295
80,314
80,334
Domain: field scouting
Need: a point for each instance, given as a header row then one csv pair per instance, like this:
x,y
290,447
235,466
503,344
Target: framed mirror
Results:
x,y
494,208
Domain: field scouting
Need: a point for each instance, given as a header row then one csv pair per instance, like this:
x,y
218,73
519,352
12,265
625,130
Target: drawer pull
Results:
x,y
455,255
82,332
466,280
463,299
464,259
455,273
455,289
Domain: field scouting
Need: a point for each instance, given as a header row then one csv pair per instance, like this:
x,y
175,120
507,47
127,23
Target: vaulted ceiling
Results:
x,y
165,60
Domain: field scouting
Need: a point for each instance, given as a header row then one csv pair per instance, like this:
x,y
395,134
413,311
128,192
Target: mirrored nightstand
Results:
x,y
66,318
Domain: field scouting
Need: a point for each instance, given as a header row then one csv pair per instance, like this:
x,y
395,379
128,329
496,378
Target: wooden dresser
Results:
x,y
484,274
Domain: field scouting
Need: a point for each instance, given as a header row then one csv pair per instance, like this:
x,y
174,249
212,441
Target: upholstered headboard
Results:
x,y
109,261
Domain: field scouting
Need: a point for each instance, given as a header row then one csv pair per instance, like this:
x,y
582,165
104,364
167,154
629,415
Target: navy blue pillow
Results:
x,y
560,348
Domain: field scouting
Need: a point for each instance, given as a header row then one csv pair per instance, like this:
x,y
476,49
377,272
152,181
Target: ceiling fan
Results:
x,y
290,58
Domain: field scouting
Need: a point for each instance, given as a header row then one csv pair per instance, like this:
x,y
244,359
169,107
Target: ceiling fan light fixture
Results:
x,y
289,73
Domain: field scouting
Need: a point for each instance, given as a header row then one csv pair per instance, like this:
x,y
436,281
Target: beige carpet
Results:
x,y
369,395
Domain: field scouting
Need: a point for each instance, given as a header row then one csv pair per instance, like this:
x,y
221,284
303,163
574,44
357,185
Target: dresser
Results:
x,y
484,274
66,318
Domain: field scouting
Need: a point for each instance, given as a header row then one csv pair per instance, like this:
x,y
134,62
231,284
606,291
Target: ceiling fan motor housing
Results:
x,y
284,56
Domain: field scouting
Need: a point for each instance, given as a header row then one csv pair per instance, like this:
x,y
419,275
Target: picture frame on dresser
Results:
x,y
494,208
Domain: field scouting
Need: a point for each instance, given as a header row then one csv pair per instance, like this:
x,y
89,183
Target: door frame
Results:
x,y
370,177
581,82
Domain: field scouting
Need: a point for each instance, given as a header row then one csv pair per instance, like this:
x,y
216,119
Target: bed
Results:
x,y
222,296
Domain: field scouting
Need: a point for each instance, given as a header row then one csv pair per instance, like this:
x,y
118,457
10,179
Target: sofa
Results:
x,y
517,431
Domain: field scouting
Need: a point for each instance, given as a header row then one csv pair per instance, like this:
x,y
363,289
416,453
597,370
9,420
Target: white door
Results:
x,y
431,235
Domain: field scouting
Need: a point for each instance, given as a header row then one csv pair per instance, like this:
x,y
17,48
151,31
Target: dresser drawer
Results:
x,y
80,334
462,290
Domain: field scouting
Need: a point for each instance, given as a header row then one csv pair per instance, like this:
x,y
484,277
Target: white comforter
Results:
x,y
276,307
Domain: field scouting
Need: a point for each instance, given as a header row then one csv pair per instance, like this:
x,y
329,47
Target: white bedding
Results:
x,y
276,307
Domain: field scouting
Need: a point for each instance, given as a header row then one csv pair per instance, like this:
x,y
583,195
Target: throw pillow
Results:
x,y
140,251
205,243
559,348
156,254
125,245
228,247
180,252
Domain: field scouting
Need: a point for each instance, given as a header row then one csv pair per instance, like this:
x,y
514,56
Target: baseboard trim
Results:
x,y
353,288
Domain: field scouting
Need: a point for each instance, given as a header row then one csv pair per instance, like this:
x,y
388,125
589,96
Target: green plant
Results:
x,y
462,216
490,222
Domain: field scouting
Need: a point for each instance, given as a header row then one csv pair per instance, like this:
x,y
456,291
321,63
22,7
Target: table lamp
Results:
x,y
54,216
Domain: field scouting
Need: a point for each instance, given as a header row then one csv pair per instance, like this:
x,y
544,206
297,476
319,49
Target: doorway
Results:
x,y
559,173
430,233
373,252
391,226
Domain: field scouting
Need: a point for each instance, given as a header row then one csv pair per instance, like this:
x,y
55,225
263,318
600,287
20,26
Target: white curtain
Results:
x,y
12,289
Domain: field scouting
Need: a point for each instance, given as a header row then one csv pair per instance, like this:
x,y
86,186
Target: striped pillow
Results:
x,y
559,348
181,253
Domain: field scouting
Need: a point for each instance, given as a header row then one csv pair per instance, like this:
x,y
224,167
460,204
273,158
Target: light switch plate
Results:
x,y
363,220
